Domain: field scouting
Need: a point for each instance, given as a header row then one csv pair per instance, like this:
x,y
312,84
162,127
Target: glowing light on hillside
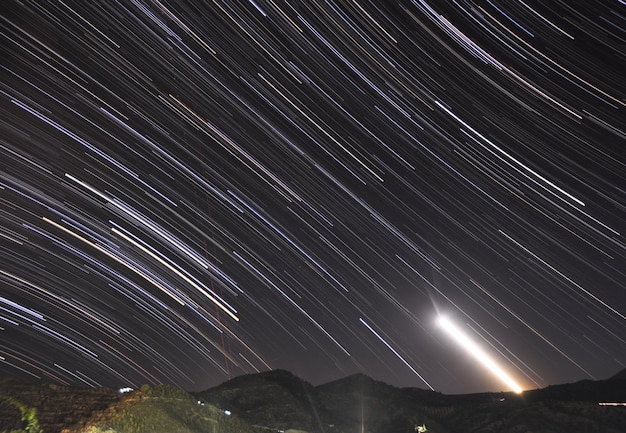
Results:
x,y
466,343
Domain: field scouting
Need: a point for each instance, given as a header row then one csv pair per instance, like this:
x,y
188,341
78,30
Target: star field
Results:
x,y
191,191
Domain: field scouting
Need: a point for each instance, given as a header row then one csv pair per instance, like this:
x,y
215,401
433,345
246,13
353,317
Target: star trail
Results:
x,y
195,190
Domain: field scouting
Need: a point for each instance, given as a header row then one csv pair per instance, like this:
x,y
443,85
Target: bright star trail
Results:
x,y
467,344
191,191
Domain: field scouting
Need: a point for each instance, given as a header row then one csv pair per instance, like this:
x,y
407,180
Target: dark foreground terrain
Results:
x,y
278,401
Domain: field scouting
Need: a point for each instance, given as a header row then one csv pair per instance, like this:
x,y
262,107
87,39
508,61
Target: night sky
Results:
x,y
191,191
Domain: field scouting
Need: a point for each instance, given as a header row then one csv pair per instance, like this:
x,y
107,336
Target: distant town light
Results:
x,y
227,412
125,390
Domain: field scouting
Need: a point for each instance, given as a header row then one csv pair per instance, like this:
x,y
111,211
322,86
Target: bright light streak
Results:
x,y
467,344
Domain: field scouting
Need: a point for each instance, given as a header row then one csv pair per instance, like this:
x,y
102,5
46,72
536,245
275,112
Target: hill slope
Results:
x,y
61,409
56,406
619,376
163,409
359,403
278,401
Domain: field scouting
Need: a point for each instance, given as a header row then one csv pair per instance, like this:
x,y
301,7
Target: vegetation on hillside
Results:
x,y
28,415
278,401
164,409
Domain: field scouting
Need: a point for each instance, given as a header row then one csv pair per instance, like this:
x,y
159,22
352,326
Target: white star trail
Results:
x,y
192,190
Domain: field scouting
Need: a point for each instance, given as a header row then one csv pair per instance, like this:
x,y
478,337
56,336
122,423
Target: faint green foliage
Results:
x,y
29,416
162,408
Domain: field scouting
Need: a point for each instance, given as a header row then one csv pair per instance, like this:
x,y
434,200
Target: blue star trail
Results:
x,y
191,191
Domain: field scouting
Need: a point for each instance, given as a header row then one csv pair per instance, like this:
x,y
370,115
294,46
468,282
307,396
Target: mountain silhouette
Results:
x,y
280,402
619,376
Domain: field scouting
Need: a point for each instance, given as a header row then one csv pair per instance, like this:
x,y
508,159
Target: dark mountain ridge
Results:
x,y
619,376
278,401
360,402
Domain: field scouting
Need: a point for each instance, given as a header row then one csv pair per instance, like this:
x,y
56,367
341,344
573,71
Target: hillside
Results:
x,y
163,409
62,409
277,401
620,376
57,406
359,403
